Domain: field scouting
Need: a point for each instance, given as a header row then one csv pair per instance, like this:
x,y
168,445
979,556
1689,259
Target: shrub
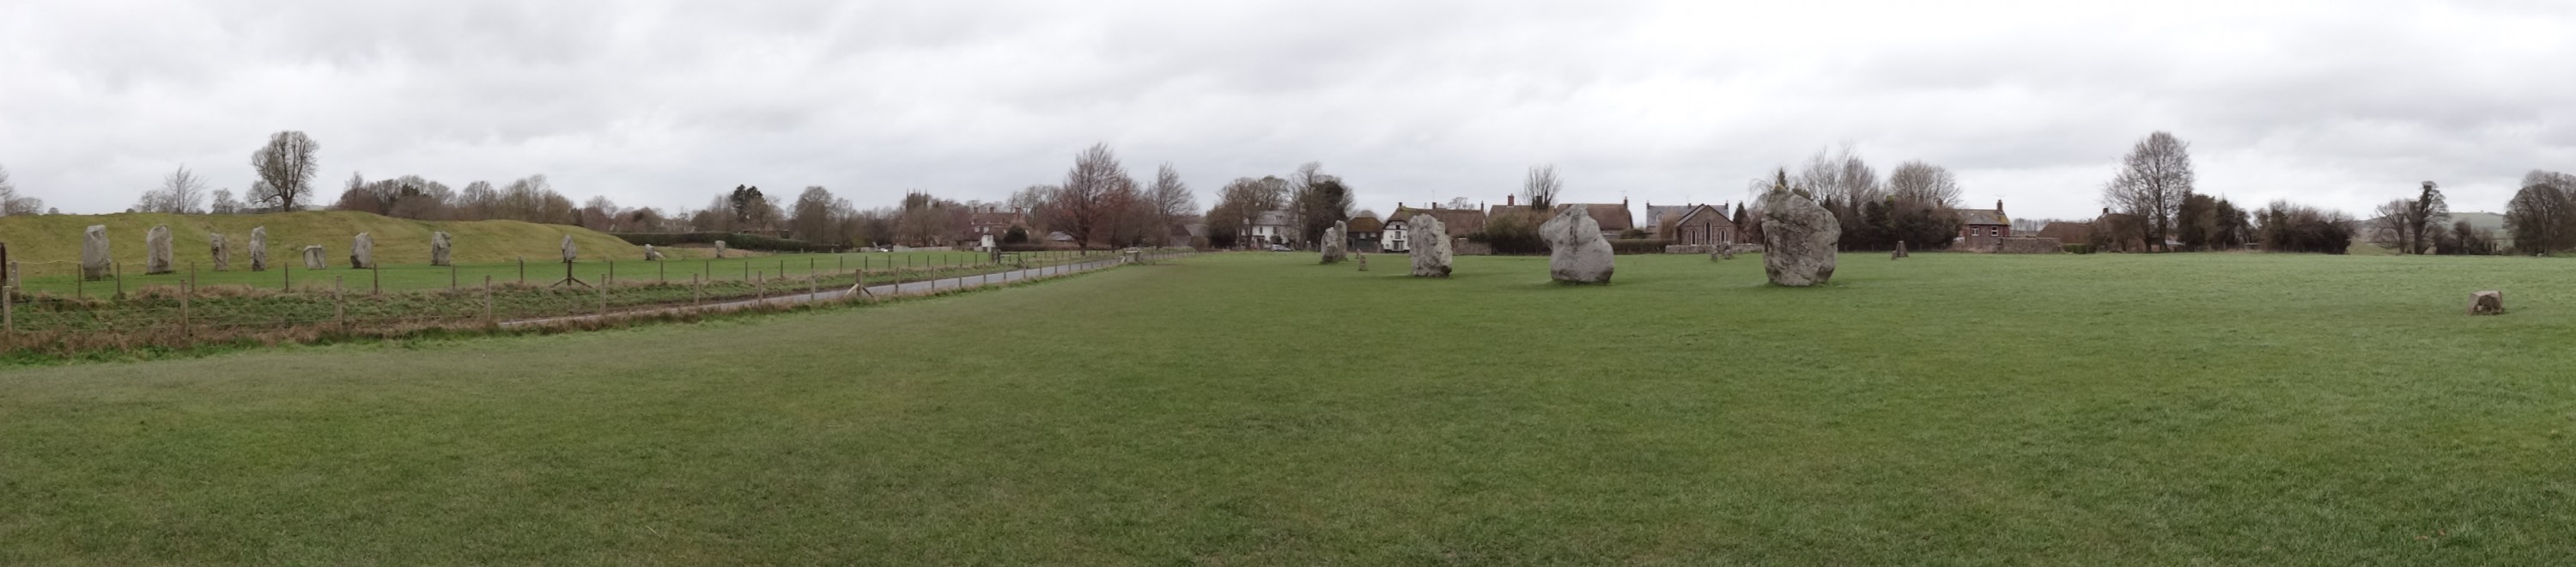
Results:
x,y
1511,232
2079,248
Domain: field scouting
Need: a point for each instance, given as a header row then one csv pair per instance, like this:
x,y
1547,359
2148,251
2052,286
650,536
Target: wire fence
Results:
x,y
187,311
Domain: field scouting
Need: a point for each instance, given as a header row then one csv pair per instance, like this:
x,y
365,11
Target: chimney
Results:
x,y
1508,200
1999,206
2106,211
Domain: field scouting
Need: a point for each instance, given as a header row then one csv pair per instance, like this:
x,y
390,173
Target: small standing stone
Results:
x,y
1332,246
259,249
651,255
571,252
1798,238
362,252
719,249
94,260
2486,303
1577,253
156,251
222,251
441,246
1430,252
314,259
1900,251
1362,259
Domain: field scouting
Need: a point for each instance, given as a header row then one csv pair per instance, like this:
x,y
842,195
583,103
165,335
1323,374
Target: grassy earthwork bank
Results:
x,y
1260,409
50,245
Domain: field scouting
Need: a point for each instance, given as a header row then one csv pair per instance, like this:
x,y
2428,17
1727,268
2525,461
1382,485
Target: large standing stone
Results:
x,y
314,259
719,249
1333,246
362,252
156,251
2486,303
94,261
1577,253
440,247
1798,236
570,252
1430,247
222,251
259,249
651,255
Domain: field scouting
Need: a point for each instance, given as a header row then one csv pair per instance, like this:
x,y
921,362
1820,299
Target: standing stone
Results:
x,y
1577,252
156,251
2486,303
94,262
719,249
651,255
259,249
222,251
1363,260
1430,247
570,252
441,246
362,252
1799,238
1333,248
314,258
1900,251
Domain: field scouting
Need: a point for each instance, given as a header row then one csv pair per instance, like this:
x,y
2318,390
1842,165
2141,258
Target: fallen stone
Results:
x,y
362,252
222,251
314,258
259,249
1577,253
2486,303
441,247
1430,252
94,261
156,251
1798,237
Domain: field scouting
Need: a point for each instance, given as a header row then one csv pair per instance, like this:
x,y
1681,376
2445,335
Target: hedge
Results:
x,y
732,240
2079,248
1639,245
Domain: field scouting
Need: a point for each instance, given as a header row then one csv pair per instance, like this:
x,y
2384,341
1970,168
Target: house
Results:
x,y
1660,216
1266,228
2068,232
1701,225
1981,229
1398,235
1393,234
992,220
1365,232
1613,217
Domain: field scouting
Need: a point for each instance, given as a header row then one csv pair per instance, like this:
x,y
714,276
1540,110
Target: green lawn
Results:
x,y
1260,409
418,275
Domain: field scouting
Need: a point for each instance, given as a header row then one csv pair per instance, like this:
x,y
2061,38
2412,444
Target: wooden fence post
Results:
x,y
339,306
762,291
187,290
120,280
8,315
612,273
810,288
697,292
523,269
487,302
451,276
289,270
379,283
603,298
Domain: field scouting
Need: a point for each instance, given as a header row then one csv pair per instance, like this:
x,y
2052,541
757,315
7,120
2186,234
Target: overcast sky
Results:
x,y
2340,103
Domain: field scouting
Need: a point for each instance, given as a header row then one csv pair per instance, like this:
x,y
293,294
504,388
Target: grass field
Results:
x,y
419,275
1259,409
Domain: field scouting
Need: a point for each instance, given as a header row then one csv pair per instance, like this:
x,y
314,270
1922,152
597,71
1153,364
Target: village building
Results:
x,y
1983,229
1614,217
1700,225
1397,235
1365,234
1266,228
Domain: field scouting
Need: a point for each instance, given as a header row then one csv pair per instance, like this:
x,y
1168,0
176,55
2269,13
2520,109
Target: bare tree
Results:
x,y
1541,187
11,203
2154,179
181,192
1919,182
1170,201
1082,205
2542,216
478,202
287,166
1841,176
2387,226
224,203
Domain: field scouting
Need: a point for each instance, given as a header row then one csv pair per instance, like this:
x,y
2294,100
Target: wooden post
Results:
x,y
8,316
697,292
451,276
289,270
187,290
662,271
379,284
762,291
810,287
603,298
339,306
487,302
120,279
523,269
612,273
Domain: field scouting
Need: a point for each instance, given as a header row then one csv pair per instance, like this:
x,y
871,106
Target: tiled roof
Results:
x,y
1983,217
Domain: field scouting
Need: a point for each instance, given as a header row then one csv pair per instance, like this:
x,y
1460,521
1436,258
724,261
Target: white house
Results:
x,y
1268,227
